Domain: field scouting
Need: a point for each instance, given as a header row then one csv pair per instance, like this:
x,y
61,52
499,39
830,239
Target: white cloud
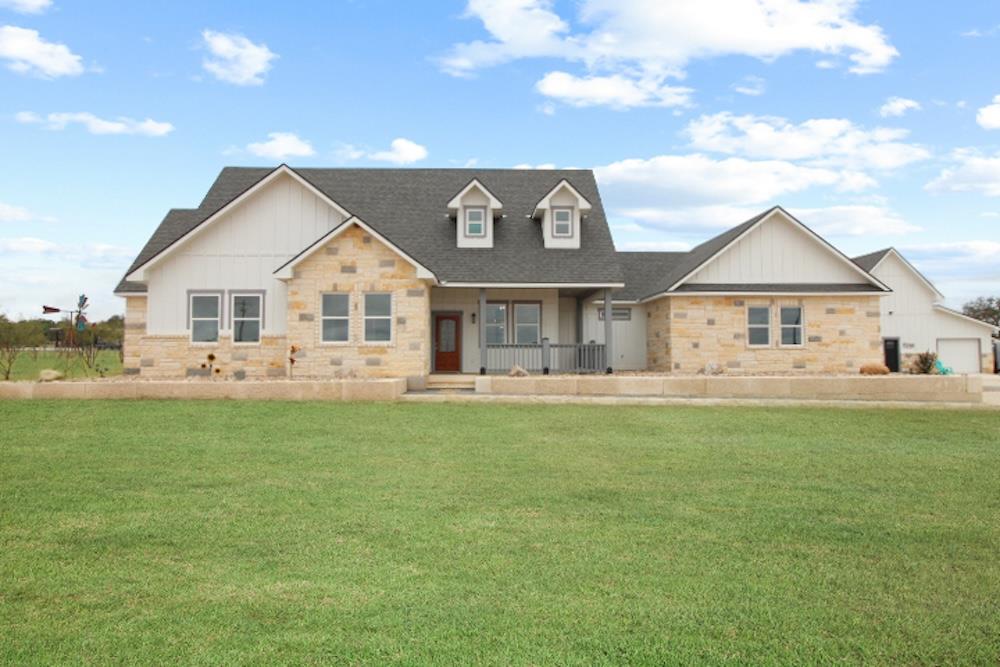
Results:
x,y
525,165
854,220
647,41
401,151
27,53
976,32
711,217
280,145
971,171
96,125
27,6
236,59
348,152
897,106
824,141
753,86
616,91
977,251
989,116
27,245
10,213
655,246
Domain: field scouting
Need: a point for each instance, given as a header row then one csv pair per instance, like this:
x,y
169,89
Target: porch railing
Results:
x,y
547,357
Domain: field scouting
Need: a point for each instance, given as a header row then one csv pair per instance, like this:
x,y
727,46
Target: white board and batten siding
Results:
x,y
240,251
908,313
629,344
777,251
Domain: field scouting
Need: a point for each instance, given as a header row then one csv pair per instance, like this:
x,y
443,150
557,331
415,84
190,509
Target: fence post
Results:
x,y
546,356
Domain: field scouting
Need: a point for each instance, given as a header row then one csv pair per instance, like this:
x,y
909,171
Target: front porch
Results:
x,y
481,330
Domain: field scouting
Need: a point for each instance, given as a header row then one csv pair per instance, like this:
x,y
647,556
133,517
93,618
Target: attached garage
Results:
x,y
961,355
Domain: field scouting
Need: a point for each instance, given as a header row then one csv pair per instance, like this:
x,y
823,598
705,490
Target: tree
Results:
x,y
14,338
985,308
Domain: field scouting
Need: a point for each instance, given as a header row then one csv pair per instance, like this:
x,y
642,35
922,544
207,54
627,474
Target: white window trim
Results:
x,y
365,317
322,318
572,224
769,326
465,224
801,326
514,325
259,318
506,321
218,319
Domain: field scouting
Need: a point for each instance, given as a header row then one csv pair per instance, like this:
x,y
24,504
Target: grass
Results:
x,y
309,533
68,363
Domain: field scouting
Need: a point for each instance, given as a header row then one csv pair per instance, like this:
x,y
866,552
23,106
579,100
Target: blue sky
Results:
x,y
877,123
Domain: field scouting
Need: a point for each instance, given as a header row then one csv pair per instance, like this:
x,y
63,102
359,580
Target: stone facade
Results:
x,y
685,334
356,263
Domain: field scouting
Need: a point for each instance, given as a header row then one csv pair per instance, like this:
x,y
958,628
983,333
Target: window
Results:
x,y
759,325
791,325
378,318
336,318
617,314
205,315
246,318
496,323
527,323
562,222
475,221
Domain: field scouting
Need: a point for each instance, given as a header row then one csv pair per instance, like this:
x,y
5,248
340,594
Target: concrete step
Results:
x,y
451,382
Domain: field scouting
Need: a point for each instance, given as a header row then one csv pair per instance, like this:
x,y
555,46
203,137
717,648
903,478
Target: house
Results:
x,y
408,272
913,319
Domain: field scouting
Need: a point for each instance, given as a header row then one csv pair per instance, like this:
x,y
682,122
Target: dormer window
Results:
x,y
475,221
562,222
475,211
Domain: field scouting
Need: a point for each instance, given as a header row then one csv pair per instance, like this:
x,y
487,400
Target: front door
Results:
x,y
891,348
447,342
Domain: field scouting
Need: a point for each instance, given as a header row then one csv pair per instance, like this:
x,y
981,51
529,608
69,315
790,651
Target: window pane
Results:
x,y
204,306
246,306
791,335
475,229
496,313
246,331
527,334
335,305
758,315
335,331
378,305
527,313
563,229
791,315
496,334
562,215
474,215
378,330
446,335
205,331
758,336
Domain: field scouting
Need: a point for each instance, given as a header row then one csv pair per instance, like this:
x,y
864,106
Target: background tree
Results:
x,y
985,308
15,338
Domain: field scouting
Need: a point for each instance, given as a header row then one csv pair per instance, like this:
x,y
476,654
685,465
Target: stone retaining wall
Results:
x,y
953,388
328,390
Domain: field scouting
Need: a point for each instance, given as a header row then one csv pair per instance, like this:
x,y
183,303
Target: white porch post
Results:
x,y
482,331
608,335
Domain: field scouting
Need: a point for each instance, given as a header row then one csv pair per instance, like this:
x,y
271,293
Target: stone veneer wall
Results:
x,y
356,263
688,333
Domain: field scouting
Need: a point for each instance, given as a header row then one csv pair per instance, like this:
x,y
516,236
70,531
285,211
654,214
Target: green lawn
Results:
x,y
323,533
68,363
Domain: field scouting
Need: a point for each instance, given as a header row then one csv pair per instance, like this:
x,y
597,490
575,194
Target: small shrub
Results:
x,y
924,363
875,369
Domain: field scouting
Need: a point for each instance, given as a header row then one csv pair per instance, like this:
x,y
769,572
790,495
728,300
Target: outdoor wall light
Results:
x,y
473,318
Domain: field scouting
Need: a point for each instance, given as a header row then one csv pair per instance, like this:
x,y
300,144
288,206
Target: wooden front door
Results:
x,y
447,343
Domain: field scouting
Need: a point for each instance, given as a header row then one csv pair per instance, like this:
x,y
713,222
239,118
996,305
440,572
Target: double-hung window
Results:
x,y
496,323
527,323
246,311
475,221
336,318
206,311
759,326
562,222
791,325
378,318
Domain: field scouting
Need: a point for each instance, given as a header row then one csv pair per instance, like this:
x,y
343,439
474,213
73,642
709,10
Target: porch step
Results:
x,y
451,382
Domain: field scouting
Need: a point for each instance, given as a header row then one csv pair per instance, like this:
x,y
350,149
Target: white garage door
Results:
x,y
959,354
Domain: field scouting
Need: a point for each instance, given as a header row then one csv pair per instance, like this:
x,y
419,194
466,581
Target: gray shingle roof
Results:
x,y
409,206
869,261
644,269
